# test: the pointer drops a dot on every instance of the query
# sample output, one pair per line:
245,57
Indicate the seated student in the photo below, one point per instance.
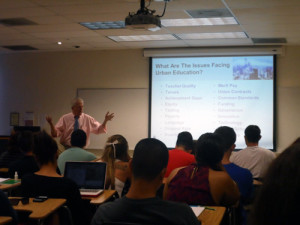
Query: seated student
26,164
205,182
46,181
241,176
254,158
6,209
76,152
277,202
181,155
116,156
12,154
140,205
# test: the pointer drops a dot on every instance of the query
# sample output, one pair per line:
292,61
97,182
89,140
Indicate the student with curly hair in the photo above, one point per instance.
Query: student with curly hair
205,182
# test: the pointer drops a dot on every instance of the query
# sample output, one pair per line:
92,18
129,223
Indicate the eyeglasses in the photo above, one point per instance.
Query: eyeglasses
16,200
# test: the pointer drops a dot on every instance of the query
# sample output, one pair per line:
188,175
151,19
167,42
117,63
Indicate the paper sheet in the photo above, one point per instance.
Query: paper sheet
197,210
3,179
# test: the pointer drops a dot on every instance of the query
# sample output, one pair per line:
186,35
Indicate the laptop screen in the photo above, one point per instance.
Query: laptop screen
87,175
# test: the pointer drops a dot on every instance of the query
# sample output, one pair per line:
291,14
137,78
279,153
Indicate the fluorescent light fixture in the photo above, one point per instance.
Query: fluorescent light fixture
225,35
163,37
199,22
104,25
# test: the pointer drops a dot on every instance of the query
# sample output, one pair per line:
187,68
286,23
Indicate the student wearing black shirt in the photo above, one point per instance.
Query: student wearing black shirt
47,182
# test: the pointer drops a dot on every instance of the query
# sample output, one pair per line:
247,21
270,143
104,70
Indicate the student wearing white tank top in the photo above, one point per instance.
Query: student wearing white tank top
116,156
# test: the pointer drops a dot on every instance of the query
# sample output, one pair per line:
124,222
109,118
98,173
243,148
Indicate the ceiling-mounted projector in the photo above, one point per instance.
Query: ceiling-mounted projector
143,19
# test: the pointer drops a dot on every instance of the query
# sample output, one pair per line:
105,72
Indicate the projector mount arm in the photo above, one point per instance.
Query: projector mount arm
145,11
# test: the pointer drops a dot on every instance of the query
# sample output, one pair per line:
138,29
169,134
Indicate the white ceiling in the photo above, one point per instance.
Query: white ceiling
58,20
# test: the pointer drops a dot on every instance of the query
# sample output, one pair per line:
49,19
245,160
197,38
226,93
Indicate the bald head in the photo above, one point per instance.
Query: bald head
77,106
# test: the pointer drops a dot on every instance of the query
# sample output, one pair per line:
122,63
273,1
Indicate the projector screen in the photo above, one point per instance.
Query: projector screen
199,94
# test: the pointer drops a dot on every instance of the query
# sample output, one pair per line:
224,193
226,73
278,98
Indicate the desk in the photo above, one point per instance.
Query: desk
4,170
211,217
5,185
257,182
40,210
104,197
5,219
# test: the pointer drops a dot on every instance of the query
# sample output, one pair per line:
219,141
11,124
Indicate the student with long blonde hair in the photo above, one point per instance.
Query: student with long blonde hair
116,156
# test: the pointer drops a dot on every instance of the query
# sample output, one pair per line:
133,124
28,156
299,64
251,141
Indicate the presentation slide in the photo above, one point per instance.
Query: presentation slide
199,94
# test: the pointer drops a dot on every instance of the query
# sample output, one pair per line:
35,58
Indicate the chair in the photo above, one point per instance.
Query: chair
232,216
65,216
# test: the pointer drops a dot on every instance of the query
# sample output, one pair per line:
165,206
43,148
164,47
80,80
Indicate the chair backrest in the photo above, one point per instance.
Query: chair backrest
65,216
230,216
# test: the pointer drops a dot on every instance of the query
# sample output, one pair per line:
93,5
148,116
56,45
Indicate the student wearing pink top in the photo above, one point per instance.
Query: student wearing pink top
67,123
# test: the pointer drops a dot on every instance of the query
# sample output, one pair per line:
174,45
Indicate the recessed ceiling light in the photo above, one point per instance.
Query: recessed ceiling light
59,42
225,35
198,22
104,25
162,37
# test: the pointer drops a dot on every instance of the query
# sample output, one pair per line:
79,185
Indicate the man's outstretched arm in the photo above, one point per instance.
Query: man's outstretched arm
108,117
53,130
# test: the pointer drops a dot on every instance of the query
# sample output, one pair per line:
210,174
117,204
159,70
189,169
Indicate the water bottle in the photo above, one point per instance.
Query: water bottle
16,175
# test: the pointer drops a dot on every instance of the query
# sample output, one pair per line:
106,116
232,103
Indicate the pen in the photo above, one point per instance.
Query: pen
209,208
205,207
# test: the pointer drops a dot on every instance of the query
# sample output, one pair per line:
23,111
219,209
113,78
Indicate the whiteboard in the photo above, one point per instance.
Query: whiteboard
130,106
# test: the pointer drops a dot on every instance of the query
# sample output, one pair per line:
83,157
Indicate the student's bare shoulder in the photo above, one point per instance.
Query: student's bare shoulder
221,176
172,175
121,165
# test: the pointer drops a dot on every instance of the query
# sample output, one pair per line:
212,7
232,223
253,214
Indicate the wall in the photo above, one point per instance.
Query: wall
46,82
288,97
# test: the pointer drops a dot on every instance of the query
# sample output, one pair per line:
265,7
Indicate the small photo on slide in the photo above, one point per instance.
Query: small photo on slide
253,68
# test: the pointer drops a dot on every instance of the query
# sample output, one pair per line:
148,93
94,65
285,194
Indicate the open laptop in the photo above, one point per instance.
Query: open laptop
89,176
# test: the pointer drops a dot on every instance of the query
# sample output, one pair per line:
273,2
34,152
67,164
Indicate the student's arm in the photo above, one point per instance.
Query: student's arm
231,192
223,189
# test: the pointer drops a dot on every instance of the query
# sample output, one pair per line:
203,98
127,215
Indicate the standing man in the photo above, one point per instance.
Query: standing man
77,120
254,158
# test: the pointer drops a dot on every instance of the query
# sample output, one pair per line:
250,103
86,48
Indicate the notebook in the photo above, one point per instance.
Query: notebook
89,176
